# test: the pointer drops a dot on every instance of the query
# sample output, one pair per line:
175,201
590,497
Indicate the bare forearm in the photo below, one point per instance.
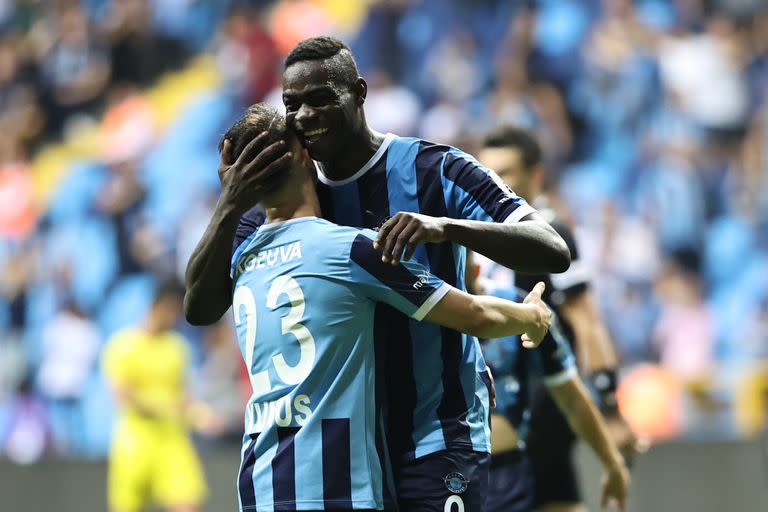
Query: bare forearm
503,318
585,420
529,246
209,288
485,316
595,348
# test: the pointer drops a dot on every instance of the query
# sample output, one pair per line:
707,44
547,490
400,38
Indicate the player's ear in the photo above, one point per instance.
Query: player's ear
361,90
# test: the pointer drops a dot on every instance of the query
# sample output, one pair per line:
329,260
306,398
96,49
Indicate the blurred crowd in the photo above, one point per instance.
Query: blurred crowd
651,114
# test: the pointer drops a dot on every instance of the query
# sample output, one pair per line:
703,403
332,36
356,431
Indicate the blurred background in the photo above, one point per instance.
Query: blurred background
654,123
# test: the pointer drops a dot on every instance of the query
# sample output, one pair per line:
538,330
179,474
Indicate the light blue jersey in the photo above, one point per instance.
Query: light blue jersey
305,294
436,380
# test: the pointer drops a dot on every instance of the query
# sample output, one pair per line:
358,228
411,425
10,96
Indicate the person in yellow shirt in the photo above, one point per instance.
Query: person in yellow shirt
152,460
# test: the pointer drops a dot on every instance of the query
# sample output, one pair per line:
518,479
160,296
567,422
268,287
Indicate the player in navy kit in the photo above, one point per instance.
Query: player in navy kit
548,417
417,192
304,297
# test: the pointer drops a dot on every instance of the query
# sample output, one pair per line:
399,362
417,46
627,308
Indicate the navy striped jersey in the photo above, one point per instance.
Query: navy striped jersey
518,370
438,396
305,292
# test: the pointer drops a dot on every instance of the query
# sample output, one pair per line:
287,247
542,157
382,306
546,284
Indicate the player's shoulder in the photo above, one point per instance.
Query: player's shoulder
328,238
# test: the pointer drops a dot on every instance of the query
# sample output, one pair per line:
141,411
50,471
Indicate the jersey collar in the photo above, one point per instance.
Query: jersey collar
388,138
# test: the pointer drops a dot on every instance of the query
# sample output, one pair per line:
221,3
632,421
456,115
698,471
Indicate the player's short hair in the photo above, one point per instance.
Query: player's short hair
517,138
258,118
341,62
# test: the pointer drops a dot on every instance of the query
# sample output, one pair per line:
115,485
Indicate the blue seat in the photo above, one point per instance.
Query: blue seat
75,195
126,304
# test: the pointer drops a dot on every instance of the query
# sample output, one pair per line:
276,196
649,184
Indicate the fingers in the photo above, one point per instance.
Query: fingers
276,167
527,341
538,290
384,231
226,152
252,149
401,241
389,238
410,248
262,160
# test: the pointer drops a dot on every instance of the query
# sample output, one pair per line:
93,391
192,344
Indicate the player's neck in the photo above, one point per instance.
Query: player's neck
360,150
294,205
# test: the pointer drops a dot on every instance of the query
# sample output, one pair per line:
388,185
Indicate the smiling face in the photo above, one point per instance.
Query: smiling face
322,108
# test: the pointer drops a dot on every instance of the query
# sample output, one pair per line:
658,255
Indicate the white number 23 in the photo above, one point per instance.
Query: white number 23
245,302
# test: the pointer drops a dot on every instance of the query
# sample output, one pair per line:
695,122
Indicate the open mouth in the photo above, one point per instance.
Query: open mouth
313,135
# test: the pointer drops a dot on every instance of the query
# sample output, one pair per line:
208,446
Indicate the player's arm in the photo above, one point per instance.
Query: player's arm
485,316
209,288
529,245
482,214
411,289
574,402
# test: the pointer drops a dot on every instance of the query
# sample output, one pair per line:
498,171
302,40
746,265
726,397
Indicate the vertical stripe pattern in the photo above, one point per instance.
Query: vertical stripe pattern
284,469
337,462
245,488
452,410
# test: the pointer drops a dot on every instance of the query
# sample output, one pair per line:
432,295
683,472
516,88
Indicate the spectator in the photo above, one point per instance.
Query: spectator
139,54
247,56
70,348
75,68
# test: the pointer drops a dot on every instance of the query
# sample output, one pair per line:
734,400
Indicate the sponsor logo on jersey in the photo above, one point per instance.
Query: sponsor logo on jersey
421,280
456,482
270,257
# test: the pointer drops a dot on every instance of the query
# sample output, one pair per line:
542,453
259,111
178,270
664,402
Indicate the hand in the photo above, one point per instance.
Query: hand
615,488
536,331
404,231
625,439
244,181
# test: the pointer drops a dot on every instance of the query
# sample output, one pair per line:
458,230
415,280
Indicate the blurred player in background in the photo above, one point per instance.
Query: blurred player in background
152,459
438,418
560,409
304,300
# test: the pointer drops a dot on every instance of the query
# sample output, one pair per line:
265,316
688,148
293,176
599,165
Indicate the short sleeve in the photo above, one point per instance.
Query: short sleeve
474,192
558,363
247,228
408,287
576,279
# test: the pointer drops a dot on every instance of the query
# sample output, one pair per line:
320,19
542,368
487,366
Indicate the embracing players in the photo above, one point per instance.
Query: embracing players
437,384
304,297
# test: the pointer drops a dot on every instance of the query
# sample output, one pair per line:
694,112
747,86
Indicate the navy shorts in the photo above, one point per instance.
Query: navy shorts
445,481
510,488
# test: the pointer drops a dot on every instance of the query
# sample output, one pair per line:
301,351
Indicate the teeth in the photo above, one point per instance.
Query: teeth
312,133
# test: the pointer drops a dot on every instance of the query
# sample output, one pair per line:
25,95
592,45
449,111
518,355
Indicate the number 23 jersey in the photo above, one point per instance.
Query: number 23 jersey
304,298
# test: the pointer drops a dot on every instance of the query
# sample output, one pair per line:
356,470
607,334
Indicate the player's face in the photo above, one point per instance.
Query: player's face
321,111
508,164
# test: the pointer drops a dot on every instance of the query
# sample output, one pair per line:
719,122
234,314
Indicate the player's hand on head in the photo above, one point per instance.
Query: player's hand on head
404,231
615,488
245,179
536,331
